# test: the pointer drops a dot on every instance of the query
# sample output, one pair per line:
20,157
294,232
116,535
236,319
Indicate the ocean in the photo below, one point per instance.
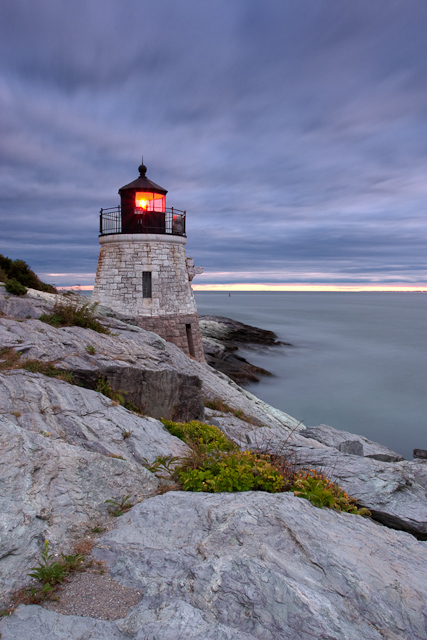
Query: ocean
357,362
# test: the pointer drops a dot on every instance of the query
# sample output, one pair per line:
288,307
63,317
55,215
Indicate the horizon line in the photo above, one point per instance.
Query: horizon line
236,286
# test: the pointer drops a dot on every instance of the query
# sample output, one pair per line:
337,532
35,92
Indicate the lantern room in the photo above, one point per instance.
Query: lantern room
142,210
143,205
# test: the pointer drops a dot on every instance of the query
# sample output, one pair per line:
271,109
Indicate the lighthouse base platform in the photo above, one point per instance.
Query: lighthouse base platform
182,330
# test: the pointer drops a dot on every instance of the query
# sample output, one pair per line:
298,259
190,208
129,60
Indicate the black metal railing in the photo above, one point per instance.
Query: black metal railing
110,221
171,221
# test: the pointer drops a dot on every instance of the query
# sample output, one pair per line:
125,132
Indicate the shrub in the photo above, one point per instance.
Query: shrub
20,271
104,387
16,288
204,437
119,397
68,315
321,492
9,358
214,464
236,471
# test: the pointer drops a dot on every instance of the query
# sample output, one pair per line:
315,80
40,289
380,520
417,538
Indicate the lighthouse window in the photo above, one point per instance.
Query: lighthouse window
146,284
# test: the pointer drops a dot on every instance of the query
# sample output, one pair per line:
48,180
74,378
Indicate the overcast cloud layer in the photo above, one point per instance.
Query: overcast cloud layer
294,132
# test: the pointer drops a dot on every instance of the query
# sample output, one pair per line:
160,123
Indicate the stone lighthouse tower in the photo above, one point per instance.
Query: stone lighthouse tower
142,268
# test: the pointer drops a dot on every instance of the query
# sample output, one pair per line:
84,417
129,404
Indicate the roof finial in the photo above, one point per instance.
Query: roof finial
142,168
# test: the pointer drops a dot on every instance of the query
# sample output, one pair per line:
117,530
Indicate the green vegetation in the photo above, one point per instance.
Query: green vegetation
215,464
104,387
47,369
118,508
50,572
15,287
198,435
19,271
11,359
161,465
126,433
233,471
89,348
321,492
69,315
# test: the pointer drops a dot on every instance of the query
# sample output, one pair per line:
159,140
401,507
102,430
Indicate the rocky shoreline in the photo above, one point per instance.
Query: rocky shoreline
199,566
223,337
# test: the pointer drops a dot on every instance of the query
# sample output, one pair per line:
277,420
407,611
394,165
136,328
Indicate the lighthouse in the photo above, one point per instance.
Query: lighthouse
142,267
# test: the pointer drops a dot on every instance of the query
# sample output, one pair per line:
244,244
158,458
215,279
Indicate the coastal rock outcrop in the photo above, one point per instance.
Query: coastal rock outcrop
342,441
164,376
242,566
222,337
247,566
56,491
395,492
64,450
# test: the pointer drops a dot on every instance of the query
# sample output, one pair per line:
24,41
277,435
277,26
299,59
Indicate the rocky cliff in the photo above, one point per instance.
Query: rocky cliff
241,566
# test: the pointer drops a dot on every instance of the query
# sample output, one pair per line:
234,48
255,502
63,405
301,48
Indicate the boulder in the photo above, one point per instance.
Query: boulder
56,491
233,333
83,418
32,305
250,566
340,440
145,378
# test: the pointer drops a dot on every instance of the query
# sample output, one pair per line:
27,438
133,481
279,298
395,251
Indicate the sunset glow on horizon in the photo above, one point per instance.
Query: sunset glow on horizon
308,287
228,288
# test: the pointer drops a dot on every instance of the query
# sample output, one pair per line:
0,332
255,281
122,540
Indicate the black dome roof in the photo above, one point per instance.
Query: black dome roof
143,183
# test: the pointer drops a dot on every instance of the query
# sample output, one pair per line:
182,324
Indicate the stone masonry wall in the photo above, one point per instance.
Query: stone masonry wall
174,329
119,283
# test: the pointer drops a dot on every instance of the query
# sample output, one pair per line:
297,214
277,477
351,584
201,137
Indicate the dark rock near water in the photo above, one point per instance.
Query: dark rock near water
420,453
222,337
236,333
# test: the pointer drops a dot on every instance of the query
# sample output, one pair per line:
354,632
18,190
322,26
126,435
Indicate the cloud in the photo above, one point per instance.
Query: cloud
295,134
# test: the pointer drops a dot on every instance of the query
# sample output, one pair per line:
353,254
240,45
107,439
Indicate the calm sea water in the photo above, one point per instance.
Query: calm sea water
358,360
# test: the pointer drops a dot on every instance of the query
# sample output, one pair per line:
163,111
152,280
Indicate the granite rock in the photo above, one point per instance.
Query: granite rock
82,418
132,352
339,439
53,490
35,623
248,567
222,337
393,492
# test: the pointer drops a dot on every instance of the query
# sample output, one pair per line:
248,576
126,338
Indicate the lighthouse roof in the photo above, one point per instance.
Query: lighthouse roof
143,183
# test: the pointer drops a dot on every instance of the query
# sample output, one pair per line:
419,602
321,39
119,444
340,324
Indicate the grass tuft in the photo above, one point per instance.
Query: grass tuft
69,315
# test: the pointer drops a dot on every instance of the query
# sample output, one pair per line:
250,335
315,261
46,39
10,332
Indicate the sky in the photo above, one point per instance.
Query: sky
293,132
